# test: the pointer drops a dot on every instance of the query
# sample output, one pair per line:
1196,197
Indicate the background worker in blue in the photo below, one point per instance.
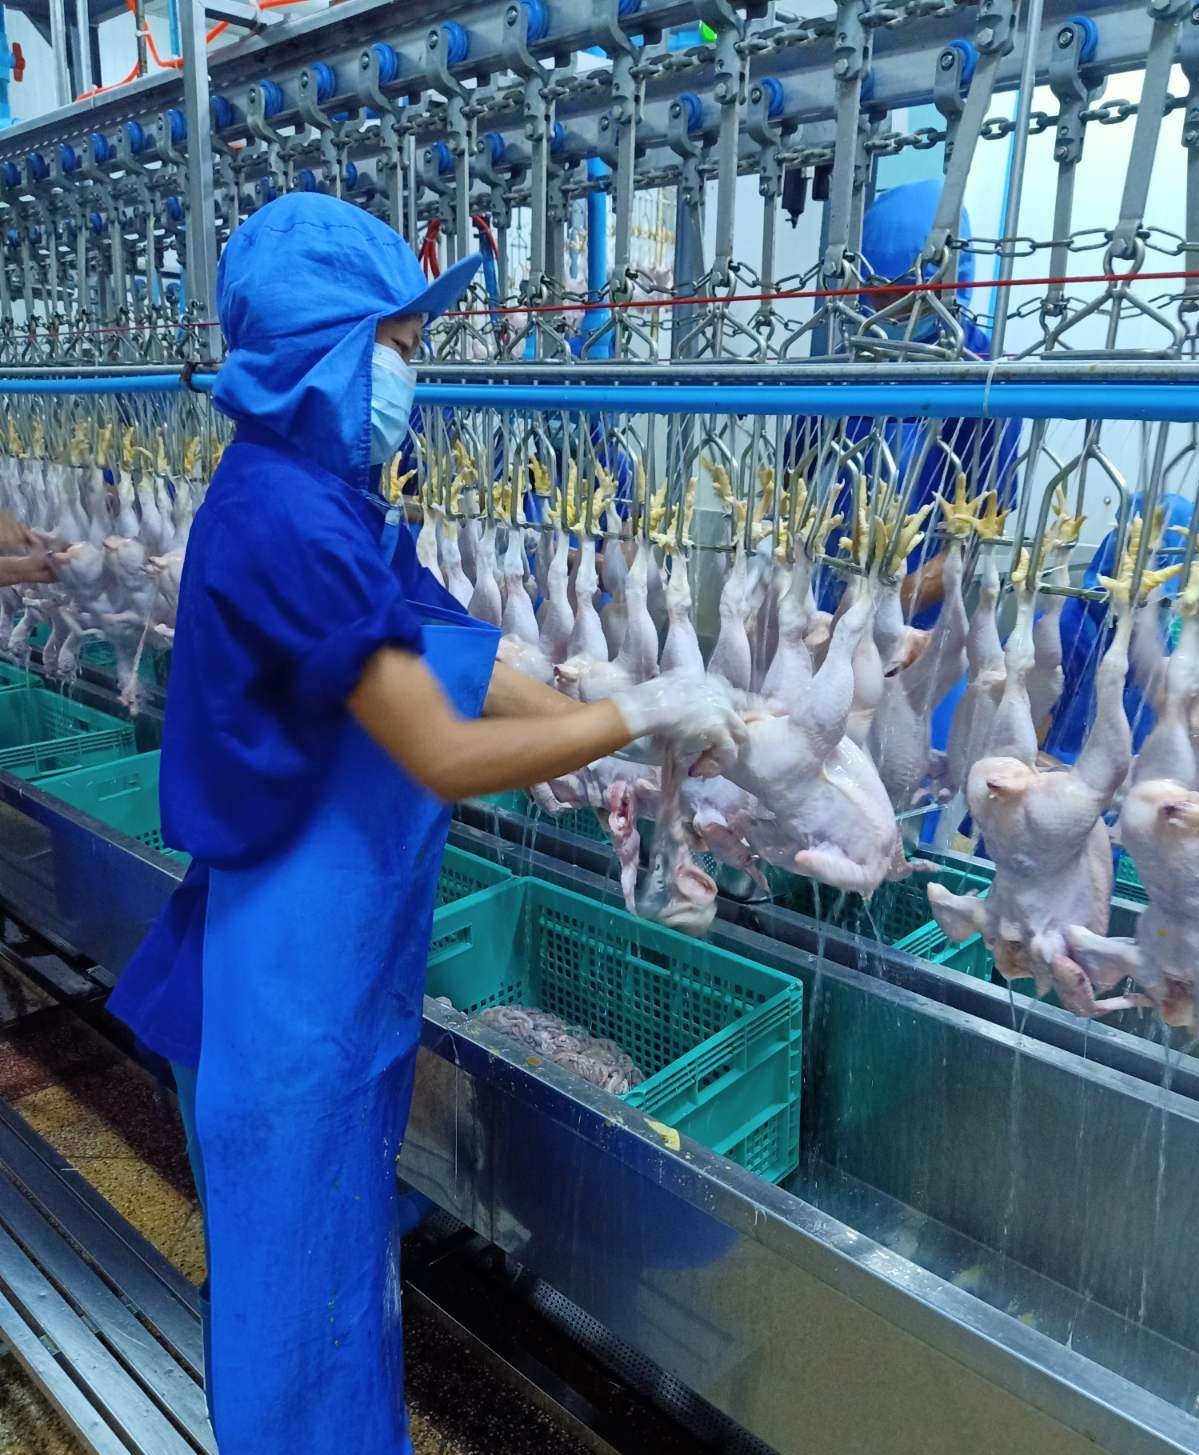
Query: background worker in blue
322,709
894,231
1084,640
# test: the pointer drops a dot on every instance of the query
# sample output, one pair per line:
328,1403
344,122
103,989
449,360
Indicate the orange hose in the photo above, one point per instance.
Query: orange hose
112,86
172,63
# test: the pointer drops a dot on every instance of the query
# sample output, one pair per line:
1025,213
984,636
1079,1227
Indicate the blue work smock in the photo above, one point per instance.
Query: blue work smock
286,592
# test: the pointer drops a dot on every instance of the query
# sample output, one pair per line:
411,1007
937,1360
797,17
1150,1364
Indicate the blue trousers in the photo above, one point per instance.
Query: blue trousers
413,1209
185,1087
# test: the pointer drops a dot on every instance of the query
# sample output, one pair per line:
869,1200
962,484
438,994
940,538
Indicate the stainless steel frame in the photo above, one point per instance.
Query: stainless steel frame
989,1246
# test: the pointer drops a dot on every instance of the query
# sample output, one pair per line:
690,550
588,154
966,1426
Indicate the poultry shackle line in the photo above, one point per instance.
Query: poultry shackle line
720,811
799,295
786,295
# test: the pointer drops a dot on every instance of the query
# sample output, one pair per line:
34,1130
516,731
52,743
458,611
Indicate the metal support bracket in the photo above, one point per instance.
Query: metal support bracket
728,91
461,139
201,202
1168,16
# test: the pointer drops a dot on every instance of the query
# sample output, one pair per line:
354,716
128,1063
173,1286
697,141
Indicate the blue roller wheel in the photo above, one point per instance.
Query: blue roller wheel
389,61
538,20
693,109
969,59
773,88
272,97
1090,37
457,42
325,79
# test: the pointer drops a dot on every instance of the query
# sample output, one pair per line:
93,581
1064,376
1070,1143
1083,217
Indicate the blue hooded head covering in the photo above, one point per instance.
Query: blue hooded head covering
301,288
896,227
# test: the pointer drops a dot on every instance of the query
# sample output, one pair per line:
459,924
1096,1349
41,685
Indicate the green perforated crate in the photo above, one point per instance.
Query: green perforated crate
463,874
930,942
580,821
1128,881
893,913
123,795
11,675
718,1036
44,732
152,668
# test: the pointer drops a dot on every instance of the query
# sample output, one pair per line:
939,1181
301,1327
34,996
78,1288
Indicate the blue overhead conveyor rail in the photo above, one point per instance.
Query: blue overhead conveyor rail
933,399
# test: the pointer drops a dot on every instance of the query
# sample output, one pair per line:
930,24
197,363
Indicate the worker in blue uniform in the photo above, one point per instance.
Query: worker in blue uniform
324,707
894,231
1084,640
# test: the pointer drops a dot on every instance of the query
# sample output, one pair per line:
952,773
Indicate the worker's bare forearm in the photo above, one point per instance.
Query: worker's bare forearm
492,755
401,705
512,694
25,570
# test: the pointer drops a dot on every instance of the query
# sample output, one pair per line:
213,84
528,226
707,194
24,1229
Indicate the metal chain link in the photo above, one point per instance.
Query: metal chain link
996,128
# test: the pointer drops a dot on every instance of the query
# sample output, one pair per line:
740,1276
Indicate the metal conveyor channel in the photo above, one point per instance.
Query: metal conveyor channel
101,1322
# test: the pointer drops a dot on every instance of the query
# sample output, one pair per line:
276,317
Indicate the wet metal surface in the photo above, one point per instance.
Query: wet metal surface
1055,1151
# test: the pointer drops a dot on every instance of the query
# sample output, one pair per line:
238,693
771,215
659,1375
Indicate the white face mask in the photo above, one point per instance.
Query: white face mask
393,388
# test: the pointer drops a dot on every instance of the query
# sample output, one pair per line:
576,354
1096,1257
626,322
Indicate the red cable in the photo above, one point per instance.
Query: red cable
429,261
485,233
1178,275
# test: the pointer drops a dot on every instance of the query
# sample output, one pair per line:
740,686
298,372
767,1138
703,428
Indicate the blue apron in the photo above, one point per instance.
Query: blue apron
313,982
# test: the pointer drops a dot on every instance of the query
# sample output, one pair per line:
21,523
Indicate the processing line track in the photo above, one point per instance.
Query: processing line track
109,1330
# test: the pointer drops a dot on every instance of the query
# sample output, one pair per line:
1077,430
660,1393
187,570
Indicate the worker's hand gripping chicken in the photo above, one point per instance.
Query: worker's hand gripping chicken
327,699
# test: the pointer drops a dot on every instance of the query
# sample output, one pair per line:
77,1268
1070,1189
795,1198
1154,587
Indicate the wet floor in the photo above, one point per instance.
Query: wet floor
109,1119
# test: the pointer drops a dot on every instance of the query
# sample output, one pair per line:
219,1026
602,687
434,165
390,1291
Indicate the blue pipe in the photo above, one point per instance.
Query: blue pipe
6,65
597,262
107,384
173,27
999,400
1179,402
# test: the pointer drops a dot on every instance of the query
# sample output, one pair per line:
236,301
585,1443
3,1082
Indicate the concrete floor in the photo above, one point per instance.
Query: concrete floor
110,1120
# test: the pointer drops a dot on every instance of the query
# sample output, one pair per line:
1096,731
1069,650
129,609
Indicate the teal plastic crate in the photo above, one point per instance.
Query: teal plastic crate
929,942
11,675
123,795
718,1036
45,732
580,821
1128,881
152,669
463,874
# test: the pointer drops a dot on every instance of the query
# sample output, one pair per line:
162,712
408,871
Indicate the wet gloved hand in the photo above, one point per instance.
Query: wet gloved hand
692,714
